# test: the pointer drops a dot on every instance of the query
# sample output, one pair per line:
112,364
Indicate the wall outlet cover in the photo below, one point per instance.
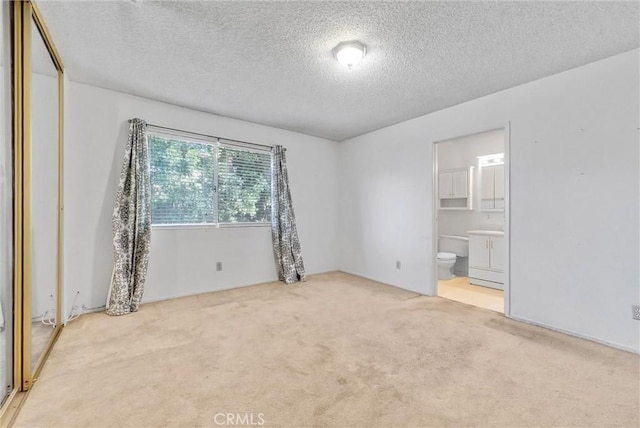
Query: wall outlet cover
218,266
398,264
636,312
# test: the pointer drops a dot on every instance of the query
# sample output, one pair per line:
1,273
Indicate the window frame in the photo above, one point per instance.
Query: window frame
189,137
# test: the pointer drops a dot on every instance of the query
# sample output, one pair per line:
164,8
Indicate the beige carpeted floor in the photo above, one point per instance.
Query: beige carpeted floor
336,351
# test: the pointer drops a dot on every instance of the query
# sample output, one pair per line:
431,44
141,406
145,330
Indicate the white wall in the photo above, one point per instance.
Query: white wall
574,197
182,262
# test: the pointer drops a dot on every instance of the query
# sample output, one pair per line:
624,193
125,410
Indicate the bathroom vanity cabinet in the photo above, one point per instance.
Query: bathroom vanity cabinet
486,258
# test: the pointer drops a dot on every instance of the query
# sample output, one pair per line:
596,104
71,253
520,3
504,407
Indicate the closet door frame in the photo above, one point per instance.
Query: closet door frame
24,13
21,14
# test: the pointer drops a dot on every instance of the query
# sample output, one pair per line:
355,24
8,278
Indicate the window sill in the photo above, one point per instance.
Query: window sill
206,226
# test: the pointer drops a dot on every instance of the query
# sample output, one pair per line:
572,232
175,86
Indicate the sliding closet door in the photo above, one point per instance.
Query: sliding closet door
44,195
31,106
41,193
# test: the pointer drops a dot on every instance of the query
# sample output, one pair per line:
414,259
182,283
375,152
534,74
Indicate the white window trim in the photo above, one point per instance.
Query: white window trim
216,142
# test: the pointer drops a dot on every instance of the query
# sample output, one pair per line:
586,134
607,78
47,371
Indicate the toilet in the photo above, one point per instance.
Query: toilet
450,247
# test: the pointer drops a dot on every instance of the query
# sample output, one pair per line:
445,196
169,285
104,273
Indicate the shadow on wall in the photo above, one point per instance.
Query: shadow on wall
104,232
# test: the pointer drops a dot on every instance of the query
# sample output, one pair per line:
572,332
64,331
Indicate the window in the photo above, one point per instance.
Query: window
204,182
182,181
244,183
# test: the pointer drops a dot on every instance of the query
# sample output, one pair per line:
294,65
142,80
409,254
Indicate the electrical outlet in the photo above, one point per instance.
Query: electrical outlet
398,264
218,266
636,312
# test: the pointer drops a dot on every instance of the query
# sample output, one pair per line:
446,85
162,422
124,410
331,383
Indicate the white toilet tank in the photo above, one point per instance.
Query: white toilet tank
459,245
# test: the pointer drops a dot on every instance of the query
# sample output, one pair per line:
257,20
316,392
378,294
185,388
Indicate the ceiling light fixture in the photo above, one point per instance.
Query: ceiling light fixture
350,54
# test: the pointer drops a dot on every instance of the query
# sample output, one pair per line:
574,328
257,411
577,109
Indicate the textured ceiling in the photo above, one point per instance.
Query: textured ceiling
271,62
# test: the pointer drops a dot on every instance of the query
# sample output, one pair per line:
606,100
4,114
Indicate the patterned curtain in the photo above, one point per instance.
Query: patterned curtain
286,245
131,225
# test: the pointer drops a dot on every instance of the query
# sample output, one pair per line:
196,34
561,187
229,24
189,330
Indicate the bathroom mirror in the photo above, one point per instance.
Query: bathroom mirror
42,188
491,183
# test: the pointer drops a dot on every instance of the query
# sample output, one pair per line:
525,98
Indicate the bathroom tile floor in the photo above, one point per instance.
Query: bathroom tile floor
460,290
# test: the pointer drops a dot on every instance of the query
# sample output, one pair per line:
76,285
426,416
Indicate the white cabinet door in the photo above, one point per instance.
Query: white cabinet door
460,181
497,253
479,251
445,181
498,186
492,187
487,191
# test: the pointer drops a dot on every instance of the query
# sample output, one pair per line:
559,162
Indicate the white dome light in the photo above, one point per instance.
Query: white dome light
350,54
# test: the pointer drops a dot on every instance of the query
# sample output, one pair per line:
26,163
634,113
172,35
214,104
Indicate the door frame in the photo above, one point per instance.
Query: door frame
433,288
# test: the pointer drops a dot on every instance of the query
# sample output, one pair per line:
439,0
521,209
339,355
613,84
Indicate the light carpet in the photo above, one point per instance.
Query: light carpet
336,351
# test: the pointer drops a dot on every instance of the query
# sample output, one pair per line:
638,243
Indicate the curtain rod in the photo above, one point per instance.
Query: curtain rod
209,136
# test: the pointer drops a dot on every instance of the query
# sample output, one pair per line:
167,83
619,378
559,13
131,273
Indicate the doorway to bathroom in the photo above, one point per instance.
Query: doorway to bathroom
470,229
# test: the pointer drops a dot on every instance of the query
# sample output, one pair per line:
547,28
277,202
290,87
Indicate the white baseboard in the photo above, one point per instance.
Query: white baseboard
578,335
92,310
525,320
513,317
385,283
483,283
